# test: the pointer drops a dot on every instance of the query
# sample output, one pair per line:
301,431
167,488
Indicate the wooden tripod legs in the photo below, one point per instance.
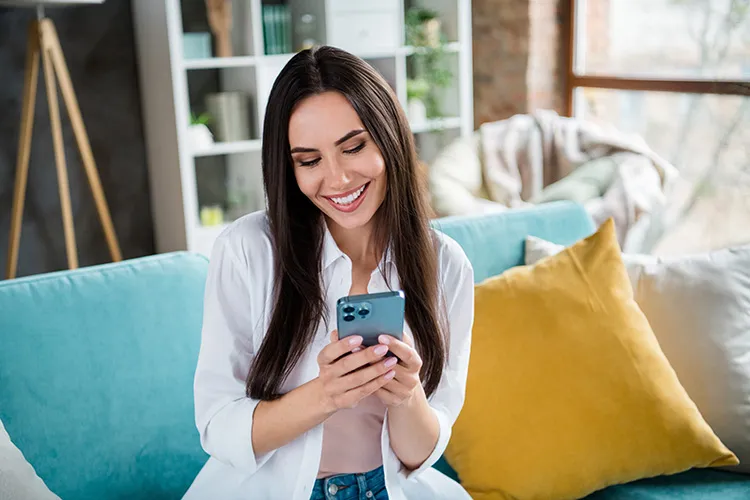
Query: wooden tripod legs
43,39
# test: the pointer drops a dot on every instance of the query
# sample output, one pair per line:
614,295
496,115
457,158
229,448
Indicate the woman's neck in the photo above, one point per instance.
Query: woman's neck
358,244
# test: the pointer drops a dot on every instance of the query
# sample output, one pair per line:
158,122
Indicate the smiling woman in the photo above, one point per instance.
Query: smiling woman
343,173
277,393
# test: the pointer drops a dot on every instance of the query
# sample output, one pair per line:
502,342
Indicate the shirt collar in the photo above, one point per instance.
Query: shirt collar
332,252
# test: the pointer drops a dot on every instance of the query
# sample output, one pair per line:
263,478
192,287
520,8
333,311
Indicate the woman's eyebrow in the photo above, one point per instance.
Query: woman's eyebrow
349,135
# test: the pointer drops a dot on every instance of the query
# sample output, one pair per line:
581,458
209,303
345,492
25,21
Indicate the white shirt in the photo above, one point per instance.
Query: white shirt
237,312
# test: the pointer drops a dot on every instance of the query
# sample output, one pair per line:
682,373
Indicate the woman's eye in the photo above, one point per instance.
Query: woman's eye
356,149
310,163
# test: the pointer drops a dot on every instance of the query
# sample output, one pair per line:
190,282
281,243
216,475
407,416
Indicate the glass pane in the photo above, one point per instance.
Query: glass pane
665,38
707,138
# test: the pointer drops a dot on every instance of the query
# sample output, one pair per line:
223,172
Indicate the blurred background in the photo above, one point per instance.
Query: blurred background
638,109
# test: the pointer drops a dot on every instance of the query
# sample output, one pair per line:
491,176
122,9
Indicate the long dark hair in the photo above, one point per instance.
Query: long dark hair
297,225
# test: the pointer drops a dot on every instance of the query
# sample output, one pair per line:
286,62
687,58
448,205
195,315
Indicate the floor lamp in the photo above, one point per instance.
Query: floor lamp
42,40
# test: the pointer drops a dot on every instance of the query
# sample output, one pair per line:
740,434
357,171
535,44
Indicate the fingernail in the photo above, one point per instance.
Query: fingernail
355,340
356,349
383,339
390,362
390,375
380,350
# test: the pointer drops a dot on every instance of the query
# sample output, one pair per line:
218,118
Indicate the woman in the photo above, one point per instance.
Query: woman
284,408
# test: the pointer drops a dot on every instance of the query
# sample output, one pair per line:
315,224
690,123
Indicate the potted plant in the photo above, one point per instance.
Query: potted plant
429,62
417,90
199,135
422,27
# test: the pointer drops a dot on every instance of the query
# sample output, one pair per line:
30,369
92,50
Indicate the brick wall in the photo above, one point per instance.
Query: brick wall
519,57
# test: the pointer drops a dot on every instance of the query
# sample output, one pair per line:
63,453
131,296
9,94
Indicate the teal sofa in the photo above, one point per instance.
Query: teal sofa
96,368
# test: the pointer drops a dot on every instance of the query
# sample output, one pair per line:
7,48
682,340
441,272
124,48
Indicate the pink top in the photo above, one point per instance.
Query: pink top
351,439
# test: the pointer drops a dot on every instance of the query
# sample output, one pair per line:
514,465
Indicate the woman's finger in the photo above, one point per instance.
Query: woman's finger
355,361
337,348
365,375
354,396
405,353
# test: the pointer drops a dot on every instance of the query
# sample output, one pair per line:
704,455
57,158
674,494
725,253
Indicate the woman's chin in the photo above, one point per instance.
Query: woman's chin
353,220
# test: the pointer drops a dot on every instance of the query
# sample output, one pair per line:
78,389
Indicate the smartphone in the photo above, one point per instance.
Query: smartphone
371,315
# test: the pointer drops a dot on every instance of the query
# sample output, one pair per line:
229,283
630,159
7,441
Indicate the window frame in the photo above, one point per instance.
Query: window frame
576,79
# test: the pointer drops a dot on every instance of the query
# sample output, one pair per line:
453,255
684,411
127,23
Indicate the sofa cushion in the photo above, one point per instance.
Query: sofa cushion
18,480
568,391
695,484
495,242
699,308
96,373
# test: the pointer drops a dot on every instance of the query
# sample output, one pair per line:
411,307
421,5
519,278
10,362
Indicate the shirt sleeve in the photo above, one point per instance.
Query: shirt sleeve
448,398
223,412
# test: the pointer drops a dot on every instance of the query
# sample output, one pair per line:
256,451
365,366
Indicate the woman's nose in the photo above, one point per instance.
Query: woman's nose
338,178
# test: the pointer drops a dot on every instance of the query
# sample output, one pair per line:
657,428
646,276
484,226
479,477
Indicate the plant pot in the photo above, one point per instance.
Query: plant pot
212,215
416,111
230,112
199,137
431,31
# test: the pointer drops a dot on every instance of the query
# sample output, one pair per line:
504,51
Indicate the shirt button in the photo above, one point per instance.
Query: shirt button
368,494
332,489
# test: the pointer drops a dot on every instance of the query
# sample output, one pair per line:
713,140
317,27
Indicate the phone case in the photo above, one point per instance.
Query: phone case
371,315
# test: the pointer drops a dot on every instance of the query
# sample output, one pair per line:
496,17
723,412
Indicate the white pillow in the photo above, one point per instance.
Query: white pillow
18,480
699,309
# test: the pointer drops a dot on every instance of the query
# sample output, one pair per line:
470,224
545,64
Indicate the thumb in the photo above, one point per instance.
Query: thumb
334,335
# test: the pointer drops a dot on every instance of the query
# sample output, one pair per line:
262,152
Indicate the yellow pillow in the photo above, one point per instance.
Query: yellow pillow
568,391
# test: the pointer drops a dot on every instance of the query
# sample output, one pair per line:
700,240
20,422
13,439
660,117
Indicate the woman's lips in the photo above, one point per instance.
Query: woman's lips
352,206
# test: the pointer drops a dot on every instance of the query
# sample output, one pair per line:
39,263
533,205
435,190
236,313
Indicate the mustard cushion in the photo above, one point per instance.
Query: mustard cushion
568,391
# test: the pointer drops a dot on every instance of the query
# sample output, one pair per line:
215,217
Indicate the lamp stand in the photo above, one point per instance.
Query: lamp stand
42,39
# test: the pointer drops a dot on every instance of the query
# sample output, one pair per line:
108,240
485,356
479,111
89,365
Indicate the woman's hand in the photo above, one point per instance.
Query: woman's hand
349,373
406,385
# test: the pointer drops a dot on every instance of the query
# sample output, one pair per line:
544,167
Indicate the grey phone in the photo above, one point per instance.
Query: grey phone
371,315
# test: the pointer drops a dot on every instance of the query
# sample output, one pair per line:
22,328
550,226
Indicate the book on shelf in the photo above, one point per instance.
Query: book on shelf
277,29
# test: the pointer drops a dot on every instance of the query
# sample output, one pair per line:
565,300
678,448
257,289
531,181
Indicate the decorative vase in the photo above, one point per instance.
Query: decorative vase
431,30
416,111
219,13
196,45
212,215
199,137
231,115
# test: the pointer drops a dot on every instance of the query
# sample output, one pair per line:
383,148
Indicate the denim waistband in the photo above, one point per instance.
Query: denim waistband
346,486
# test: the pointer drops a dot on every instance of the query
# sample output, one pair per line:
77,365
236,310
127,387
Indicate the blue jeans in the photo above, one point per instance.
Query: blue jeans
365,486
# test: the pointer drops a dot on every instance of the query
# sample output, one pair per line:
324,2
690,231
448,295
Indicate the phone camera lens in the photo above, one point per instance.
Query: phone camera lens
348,309
349,317
364,312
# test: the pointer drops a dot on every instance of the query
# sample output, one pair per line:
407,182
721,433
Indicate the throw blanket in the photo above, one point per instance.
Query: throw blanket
524,153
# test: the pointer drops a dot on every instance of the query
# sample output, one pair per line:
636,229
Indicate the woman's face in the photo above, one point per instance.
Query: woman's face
336,163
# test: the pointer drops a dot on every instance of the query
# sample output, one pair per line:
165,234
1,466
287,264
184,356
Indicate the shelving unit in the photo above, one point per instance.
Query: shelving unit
186,176
226,148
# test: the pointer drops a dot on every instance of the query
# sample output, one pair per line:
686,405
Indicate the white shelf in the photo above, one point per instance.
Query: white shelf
436,124
226,148
220,62
166,99
245,61
452,47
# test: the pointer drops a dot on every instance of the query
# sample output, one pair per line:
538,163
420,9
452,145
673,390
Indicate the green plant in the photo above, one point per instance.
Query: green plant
202,119
429,62
417,88
415,20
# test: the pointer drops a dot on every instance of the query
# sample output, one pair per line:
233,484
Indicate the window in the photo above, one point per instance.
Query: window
676,72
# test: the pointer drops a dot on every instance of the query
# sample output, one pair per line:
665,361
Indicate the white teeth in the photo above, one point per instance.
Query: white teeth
347,200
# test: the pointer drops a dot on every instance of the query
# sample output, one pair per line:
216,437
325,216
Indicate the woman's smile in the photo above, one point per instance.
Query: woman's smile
349,201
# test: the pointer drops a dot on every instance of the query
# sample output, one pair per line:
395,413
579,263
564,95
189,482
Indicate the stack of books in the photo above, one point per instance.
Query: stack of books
277,29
